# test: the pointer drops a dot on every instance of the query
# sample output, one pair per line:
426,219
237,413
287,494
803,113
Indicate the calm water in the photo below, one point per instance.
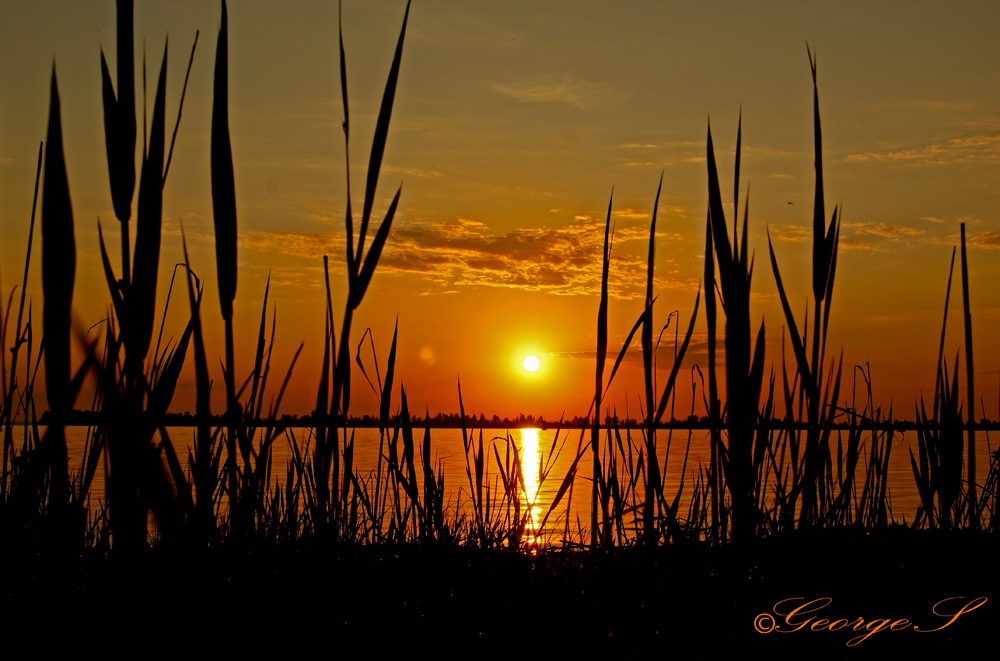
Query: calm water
538,454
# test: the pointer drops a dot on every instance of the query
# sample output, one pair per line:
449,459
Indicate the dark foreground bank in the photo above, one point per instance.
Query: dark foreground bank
828,594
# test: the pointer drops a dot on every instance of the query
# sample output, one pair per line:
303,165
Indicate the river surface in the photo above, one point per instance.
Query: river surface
546,461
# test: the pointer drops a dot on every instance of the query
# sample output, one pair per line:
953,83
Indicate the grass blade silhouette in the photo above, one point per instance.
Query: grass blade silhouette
58,276
141,301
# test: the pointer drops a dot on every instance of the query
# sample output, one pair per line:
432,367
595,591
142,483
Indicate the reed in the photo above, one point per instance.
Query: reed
335,387
602,350
204,463
744,370
715,493
12,388
224,213
969,371
58,275
653,510
818,397
939,440
120,127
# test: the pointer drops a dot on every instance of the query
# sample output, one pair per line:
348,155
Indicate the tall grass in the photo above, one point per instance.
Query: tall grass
134,391
971,393
744,369
939,438
334,407
819,398
12,387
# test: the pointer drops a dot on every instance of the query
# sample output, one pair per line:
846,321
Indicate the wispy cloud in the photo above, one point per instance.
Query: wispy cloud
877,236
847,243
465,253
983,146
630,213
411,172
986,239
793,233
881,237
580,94
883,230
670,153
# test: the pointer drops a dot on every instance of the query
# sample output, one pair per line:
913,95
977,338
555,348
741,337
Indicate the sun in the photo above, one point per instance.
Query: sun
531,363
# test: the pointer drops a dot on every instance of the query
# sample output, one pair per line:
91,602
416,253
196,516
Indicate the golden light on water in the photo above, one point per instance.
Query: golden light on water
531,363
530,462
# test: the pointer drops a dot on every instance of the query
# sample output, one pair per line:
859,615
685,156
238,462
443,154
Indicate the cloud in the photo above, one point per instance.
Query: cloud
984,239
847,243
466,253
580,94
296,244
411,172
793,233
872,236
630,213
884,230
665,154
984,146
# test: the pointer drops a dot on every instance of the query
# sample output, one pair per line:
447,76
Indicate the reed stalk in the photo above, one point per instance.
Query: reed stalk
224,211
120,128
973,507
602,350
9,413
361,268
819,402
58,275
744,370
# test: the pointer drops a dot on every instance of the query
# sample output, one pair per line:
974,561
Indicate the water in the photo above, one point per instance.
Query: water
545,465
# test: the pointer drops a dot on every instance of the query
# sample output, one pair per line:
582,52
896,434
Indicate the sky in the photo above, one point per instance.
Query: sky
512,125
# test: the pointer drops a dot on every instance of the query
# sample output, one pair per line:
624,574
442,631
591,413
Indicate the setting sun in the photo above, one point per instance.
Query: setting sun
531,363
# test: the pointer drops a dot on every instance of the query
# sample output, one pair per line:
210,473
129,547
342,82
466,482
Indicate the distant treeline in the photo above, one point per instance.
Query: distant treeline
454,421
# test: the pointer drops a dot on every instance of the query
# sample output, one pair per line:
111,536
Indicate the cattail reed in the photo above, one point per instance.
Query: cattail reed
744,370
224,210
120,128
223,186
149,217
820,403
58,274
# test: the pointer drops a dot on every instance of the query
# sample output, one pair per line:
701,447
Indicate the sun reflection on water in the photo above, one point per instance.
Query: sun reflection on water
531,472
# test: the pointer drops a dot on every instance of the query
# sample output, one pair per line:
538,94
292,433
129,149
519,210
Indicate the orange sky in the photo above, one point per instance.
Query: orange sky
512,124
